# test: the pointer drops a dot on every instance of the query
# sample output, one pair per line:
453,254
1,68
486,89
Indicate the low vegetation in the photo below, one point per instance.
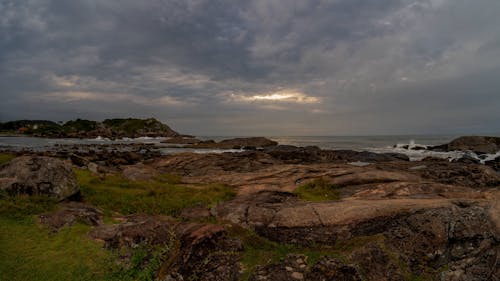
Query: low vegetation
164,195
30,251
6,157
319,189
123,127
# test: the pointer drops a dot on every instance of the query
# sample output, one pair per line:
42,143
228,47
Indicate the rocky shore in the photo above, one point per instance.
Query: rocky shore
320,214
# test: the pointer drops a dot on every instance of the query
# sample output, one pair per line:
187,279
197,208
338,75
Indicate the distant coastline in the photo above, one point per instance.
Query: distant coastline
81,128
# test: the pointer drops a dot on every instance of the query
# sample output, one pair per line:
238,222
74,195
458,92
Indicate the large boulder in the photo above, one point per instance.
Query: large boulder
37,175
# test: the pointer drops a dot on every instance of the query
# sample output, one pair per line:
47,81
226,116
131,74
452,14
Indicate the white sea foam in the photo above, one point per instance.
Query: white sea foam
99,138
417,152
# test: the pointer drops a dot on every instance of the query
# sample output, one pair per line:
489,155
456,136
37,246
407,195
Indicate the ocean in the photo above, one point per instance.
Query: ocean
379,144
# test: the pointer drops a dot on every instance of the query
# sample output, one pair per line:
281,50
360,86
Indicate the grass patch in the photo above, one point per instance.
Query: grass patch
6,157
318,190
29,252
258,250
163,195
21,206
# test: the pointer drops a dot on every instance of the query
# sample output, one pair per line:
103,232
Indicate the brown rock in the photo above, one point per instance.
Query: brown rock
332,269
72,212
139,172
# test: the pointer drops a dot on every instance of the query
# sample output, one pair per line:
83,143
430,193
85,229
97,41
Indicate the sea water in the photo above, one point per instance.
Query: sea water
380,144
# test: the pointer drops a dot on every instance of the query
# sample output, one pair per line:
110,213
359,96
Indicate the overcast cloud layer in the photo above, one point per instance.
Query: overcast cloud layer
264,67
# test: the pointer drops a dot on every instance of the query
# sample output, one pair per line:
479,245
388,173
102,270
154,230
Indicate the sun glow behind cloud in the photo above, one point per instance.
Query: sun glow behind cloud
282,96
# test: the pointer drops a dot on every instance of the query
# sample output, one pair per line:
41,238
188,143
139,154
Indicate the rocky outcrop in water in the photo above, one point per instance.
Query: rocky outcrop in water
477,144
237,143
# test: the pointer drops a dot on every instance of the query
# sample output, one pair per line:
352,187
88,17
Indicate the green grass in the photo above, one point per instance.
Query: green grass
21,206
163,195
30,251
6,157
318,190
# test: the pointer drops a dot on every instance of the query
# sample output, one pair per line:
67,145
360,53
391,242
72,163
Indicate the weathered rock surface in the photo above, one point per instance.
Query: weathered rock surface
195,251
426,234
70,213
35,175
139,172
254,171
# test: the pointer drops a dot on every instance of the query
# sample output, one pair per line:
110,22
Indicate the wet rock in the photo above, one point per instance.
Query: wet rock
467,159
181,140
495,164
70,213
35,175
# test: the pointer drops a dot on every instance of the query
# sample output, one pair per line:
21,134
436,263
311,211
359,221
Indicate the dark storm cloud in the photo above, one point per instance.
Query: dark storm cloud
256,67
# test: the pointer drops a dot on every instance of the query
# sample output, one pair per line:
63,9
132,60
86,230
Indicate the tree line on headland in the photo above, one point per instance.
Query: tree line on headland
81,128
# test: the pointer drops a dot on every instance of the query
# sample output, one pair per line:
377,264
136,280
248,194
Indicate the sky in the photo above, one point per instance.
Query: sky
256,67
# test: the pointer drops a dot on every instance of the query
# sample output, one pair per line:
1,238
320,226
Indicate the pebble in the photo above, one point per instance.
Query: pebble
297,276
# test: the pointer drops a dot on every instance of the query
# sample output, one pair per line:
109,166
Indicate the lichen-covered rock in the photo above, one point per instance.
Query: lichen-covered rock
35,175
